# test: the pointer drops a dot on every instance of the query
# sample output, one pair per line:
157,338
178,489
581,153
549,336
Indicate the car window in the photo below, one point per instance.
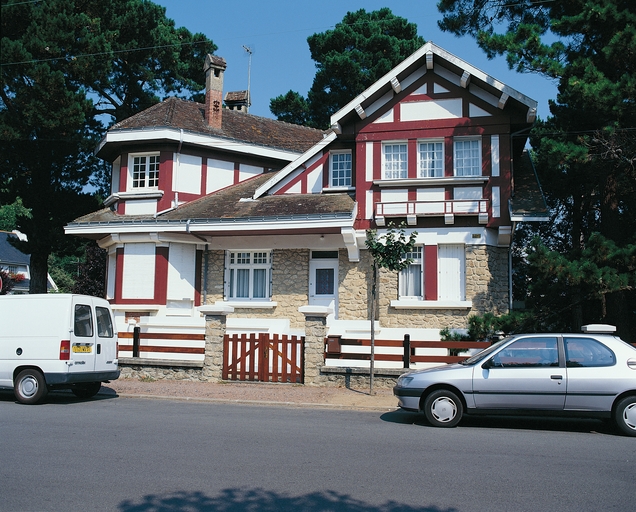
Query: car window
104,323
83,324
587,352
529,353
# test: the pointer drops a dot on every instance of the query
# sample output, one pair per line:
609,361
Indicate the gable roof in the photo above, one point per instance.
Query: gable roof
184,121
400,77
426,58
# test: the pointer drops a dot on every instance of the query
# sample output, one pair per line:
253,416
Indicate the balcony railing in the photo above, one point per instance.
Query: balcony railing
445,208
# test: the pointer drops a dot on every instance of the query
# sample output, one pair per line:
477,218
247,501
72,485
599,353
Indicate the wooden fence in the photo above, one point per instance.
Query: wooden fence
388,351
186,347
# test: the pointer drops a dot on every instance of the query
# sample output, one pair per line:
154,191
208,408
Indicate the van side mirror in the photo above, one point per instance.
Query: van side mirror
488,364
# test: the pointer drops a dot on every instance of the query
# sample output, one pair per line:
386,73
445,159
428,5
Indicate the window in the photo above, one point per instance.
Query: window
529,353
431,159
467,158
249,275
83,323
410,280
104,323
340,170
394,158
145,171
587,352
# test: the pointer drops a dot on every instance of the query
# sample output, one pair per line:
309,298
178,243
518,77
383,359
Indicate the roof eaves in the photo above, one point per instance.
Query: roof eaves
119,135
430,47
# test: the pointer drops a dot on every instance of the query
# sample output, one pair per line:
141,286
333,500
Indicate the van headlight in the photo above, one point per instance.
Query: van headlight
404,381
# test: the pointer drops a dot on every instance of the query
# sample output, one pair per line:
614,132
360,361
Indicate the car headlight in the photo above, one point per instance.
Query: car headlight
404,381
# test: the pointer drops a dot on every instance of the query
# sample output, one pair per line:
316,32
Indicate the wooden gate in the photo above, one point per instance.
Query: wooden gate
263,357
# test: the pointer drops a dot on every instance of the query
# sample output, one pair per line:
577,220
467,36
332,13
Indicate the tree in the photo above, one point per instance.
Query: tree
356,53
584,152
389,251
8,281
9,214
92,272
66,66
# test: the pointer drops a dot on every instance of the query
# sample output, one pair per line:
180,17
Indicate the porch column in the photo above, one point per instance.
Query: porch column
315,332
214,334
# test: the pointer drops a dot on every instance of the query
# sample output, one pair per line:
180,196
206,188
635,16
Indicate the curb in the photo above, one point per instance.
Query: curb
305,405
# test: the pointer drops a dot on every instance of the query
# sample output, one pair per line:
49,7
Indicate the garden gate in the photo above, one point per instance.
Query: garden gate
263,357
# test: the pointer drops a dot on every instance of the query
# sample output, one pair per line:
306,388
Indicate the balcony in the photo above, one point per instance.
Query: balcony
447,208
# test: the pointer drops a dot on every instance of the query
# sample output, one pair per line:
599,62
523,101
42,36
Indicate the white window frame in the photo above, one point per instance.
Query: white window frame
395,163
409,280
143,171
465,161
430,160
339,175
241,263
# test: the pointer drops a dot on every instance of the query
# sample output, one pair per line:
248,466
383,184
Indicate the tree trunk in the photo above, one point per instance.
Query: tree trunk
39,270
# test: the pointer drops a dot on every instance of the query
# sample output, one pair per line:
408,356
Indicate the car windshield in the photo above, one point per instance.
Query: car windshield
480,356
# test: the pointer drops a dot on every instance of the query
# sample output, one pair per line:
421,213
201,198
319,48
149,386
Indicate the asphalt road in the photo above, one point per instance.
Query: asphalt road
123,454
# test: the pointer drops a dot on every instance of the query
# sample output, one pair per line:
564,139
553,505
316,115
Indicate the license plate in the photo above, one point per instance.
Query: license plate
82,349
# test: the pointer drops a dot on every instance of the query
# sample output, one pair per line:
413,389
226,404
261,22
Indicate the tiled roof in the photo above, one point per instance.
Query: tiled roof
527,200
236,203
235,96
9,254
189,115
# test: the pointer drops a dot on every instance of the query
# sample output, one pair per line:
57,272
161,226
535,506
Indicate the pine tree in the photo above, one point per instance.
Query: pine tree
356,53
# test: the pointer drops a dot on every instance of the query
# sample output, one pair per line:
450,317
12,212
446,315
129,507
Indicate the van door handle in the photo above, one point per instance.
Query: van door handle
556,377
99,348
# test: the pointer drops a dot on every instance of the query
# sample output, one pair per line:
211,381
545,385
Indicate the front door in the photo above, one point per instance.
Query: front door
323,280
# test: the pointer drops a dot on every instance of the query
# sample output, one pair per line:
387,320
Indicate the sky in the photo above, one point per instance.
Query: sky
276,32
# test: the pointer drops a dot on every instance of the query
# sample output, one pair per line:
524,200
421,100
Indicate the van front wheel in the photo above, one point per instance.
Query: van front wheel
30,386
87,390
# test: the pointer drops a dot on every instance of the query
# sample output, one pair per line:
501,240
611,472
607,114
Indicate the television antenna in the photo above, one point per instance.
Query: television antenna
249,50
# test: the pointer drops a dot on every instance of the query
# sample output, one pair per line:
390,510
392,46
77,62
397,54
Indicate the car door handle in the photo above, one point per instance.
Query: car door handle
556,377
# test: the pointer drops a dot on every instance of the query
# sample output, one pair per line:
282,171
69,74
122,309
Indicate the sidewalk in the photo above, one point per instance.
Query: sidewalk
254,393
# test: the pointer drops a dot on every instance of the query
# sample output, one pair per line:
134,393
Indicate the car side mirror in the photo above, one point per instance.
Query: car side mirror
488,364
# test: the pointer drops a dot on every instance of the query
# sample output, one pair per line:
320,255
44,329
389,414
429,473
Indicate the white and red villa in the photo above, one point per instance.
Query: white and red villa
214,209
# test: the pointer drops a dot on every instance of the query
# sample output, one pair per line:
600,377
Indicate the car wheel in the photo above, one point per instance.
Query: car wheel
30,387
625,415
87,390
443,408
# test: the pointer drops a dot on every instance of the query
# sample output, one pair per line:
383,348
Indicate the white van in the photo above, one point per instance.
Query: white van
56,341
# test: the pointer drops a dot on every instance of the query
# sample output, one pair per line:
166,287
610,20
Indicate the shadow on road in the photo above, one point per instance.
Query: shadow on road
61,397
548,423
242,500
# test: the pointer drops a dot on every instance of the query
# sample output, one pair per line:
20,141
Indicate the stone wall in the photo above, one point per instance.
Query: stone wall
354,286
290,285
487,275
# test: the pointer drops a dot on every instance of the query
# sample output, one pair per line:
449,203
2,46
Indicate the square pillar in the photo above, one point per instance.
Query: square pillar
315,333
215,327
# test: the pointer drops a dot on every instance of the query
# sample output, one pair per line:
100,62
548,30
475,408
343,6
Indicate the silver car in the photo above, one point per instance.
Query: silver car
592,374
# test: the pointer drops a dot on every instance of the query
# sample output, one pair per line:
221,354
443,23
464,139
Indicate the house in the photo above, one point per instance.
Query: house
214,206
15,262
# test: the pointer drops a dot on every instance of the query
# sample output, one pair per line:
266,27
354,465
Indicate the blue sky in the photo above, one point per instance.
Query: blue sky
277,31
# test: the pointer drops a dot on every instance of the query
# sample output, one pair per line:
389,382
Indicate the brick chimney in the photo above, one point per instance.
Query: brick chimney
214,68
